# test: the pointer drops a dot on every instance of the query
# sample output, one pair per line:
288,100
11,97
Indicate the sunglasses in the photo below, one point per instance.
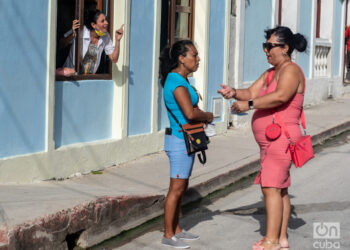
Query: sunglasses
269,46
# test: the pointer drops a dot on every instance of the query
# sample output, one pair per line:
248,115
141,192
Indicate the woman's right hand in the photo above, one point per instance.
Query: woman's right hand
226,91
67,72
210,117
75,25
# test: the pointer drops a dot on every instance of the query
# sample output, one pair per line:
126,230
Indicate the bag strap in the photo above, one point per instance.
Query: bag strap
177,121
277,117
269,77
284,127
204,160
302,119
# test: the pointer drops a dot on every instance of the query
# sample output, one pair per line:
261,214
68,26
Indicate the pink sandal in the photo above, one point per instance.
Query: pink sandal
258,246
284,248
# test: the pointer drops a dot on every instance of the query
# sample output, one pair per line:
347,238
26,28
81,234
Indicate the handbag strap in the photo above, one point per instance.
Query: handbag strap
302,119
302,115
269,77
177,121
284,127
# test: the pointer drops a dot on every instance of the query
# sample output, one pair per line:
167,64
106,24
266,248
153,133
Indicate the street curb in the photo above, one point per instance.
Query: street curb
90,224
328,133
221,181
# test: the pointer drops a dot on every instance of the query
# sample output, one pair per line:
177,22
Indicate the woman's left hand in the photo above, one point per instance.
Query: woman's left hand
119,33
240,106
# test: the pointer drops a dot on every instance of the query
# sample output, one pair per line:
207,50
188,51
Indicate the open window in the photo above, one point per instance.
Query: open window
67,11
177,21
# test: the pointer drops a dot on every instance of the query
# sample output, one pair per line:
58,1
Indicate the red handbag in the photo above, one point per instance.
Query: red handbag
301,150
273,131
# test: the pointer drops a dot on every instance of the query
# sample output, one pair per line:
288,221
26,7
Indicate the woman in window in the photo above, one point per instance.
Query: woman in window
181,99
96,39
278,91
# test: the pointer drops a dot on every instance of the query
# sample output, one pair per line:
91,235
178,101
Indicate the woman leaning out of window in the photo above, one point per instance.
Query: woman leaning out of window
96,39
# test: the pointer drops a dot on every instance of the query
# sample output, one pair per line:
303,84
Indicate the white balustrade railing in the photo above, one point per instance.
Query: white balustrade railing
322,64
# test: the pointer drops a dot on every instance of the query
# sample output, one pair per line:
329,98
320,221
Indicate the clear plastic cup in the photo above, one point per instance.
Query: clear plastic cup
210,129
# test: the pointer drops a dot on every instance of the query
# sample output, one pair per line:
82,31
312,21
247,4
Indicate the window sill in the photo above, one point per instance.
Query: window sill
85,77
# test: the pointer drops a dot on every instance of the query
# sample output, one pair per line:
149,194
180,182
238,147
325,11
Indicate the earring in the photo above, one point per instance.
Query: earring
284,54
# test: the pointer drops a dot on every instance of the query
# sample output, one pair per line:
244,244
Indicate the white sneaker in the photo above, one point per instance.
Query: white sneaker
184,235
174,242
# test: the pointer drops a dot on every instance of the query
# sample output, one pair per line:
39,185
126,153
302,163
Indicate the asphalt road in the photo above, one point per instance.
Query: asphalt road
320,197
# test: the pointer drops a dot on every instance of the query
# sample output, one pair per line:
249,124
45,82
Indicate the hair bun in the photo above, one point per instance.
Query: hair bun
300,42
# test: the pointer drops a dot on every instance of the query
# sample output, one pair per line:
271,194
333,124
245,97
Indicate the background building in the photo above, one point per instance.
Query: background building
322,22
54,128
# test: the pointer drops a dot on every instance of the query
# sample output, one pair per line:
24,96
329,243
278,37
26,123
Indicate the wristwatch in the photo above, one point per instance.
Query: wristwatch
251,104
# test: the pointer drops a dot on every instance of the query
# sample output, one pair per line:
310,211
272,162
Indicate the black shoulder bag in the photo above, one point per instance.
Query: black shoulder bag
195,138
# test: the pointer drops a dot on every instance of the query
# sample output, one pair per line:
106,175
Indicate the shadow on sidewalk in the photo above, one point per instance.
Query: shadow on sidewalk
258,212
196,212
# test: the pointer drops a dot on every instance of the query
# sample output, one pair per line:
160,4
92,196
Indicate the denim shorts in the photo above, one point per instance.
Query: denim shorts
180,163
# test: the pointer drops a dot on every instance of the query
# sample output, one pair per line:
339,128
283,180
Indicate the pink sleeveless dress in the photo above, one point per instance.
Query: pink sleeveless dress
275,157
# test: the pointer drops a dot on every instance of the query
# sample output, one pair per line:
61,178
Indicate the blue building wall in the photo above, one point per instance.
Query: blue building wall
83,111
305,22
257,18
141,66
337,38
216,55
23,76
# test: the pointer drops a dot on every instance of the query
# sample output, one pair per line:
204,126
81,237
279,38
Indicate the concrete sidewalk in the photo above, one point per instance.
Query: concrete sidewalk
93,208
